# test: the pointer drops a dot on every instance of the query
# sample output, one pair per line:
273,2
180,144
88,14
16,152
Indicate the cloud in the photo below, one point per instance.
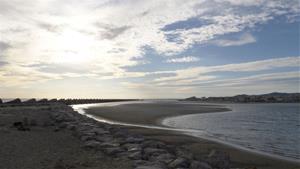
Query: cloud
104,50
254,66
185,59
111,32
242,40
4,46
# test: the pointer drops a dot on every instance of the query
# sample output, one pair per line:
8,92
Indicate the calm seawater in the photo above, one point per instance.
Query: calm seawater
270,128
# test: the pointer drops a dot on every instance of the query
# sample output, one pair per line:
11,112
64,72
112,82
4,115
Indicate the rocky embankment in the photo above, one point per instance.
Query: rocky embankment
117,142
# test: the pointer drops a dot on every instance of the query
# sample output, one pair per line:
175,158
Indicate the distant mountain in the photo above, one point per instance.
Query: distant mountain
274,97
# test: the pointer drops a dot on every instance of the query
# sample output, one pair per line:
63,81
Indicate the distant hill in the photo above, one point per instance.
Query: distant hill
274,97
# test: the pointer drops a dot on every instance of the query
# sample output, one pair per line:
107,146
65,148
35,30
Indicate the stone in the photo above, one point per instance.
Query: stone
30,101
153,144
179,162
91,144
99,131
113,150
184,154
15,101
109,144
134,139
153,151
104,138
135,155
219,159
199,165
163,158
149,167
132,147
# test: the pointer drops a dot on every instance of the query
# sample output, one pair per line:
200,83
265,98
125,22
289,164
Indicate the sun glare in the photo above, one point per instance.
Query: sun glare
74,47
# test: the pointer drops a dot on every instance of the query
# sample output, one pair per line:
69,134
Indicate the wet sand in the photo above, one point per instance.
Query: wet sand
152,114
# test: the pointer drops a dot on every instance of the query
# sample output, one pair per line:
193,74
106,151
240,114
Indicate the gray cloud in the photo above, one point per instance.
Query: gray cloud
111,32
2,63
49,27
4,46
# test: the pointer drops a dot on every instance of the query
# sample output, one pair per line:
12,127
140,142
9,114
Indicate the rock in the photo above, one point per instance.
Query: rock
15,101
30,101
153,144
199,165
20,126
149,167
33,122
53,100
179,162
109,145
113,150
153,151
91,144
132,147
184,154
219,160
135,155
134,139
104,138
1,101
99,131
43,101
163,158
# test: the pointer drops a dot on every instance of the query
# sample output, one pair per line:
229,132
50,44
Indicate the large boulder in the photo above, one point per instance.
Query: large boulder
30,101
199,165
179,162
219,159
43,101
15,101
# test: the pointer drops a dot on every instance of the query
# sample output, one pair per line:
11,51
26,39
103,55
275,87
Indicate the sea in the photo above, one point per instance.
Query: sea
266,128
272,128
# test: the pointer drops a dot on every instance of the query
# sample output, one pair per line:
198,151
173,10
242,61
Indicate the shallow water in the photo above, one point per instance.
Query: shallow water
270,128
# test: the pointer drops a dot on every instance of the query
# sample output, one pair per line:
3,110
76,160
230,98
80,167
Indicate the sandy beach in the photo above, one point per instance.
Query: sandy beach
136,114
54,136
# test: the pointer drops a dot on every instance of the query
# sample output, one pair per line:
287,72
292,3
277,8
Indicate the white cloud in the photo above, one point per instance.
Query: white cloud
242,40
196,72
106,36
185,59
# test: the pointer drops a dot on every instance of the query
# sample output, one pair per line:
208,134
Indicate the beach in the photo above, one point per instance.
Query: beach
136,114
53,135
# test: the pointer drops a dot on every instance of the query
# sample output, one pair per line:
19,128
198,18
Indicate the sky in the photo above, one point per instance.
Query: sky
148,49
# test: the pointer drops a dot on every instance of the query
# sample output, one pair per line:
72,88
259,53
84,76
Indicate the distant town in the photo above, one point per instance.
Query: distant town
263,98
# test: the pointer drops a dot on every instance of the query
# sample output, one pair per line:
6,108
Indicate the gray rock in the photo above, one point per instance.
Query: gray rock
163,158
153,144
15,101
109,144
135,155
104,138
149,167
184,154
99,131
153,151
134,139
132,147
30,101
179,162
91,144
219,159
199,165
113,150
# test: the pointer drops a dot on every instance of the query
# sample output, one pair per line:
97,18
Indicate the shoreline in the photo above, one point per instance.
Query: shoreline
157,123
